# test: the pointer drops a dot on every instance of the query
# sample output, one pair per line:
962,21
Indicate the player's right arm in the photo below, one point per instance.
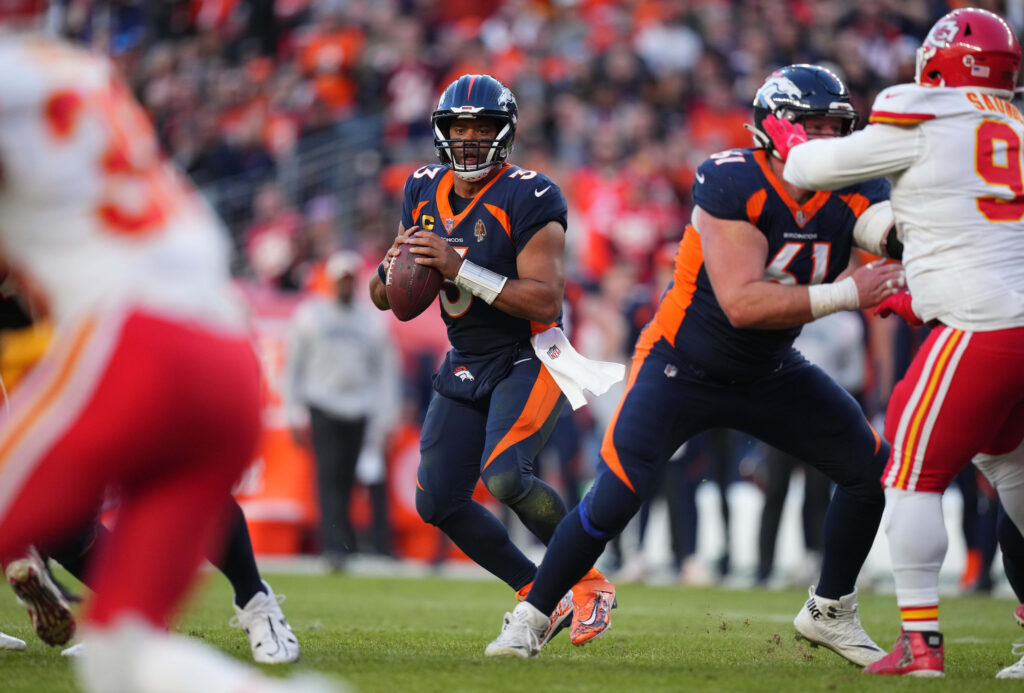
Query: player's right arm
735,255
378,291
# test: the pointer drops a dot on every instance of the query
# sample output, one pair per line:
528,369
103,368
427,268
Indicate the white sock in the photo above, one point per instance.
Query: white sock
134,657
916,531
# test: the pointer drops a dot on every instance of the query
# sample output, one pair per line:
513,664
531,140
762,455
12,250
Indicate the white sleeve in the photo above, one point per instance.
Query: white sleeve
874,152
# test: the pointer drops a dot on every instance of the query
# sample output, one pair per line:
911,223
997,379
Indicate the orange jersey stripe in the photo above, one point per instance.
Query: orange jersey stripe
755,205
925,405
856,202
608,452
665,323
502,216
539,404
809,208
899,118
32,412
418,209
444,206
672,310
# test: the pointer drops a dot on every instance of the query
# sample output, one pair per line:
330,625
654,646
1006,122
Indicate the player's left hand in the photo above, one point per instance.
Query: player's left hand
434,251
785,134
902,305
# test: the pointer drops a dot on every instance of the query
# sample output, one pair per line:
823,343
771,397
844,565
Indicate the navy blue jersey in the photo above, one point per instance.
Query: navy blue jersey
807,244
490,232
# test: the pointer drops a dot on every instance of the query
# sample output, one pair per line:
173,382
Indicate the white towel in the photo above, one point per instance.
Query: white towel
572,372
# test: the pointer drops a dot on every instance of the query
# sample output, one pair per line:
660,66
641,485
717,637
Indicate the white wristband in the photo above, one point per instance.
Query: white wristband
480,281
832,298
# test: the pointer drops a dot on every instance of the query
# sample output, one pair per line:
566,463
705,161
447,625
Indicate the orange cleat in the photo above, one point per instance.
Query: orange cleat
593,601
914,654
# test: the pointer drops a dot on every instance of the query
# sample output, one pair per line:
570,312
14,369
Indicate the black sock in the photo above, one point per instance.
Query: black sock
237,561
77,554
1012,544
480,535
850,527
571,553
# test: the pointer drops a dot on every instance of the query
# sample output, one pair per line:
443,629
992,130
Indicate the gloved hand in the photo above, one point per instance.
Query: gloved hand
785,134
901,304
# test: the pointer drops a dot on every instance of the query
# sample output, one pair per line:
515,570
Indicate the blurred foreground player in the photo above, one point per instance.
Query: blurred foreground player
497,234
23,341
952,144
761,259
151,386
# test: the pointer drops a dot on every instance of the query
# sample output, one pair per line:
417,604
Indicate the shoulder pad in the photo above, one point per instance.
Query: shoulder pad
910,104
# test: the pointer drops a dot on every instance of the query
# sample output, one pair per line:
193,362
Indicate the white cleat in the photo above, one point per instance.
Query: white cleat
270,637
833,623
521,633
1015,670
76,650
10,643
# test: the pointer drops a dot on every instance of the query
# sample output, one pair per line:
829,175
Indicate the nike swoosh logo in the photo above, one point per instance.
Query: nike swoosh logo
516,363
538,193
889,96
700,177
593,615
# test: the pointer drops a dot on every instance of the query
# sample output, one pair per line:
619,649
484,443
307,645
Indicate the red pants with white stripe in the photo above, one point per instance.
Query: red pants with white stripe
963,394
164,414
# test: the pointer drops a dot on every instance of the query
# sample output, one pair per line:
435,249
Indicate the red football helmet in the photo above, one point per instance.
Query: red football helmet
969,48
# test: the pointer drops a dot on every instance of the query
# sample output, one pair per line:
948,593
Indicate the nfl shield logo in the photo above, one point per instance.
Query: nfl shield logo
479,231
449,224
801,218
554,352
671,371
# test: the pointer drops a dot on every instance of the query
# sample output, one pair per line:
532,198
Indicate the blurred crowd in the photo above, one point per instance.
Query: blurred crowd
301,119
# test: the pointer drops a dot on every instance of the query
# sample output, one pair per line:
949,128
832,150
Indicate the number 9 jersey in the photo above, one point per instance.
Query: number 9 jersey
490,231
958,196
83,177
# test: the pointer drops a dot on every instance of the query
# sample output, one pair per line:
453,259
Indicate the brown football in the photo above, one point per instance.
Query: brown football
411,288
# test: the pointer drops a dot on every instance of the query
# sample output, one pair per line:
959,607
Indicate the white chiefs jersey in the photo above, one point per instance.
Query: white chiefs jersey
955,159
90,214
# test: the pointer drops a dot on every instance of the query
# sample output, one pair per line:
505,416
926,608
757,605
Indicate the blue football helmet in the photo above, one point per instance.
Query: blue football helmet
475,96
798,91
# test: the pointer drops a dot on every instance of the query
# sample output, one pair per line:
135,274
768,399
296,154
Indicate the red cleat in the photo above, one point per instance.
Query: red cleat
914,654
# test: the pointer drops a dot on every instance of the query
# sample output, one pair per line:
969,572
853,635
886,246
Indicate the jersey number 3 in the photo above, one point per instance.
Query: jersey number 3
998,162
137,193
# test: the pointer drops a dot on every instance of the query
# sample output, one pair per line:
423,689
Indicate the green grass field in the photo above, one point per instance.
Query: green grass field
428,634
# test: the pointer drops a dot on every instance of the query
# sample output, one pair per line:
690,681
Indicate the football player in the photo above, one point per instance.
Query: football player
952,144
150,385
760,259
497,233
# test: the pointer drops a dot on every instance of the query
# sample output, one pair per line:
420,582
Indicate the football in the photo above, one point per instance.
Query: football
411,288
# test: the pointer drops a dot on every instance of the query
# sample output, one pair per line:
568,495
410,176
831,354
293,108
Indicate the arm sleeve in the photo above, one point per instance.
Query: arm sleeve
876,151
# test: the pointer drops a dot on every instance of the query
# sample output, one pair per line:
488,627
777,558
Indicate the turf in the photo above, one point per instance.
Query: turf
428,634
